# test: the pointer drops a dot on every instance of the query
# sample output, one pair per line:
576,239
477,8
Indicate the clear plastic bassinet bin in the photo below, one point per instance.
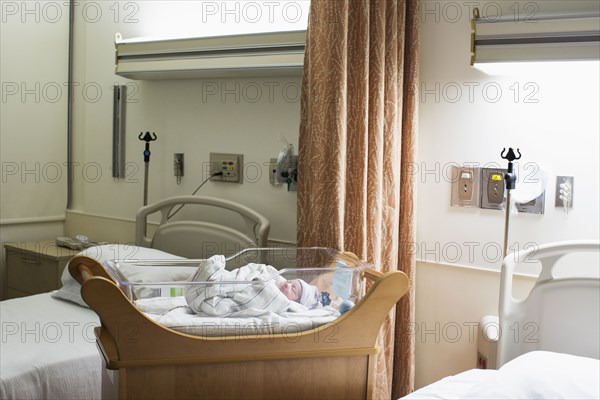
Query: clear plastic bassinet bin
327,278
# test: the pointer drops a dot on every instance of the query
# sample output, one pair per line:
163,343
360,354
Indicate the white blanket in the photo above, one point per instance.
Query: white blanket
248,291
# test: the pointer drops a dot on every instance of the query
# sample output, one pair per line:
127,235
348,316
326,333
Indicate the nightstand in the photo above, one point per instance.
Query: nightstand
35,267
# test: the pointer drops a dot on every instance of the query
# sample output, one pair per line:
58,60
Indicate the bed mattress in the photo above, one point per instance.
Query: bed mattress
48,350
534,375
174,313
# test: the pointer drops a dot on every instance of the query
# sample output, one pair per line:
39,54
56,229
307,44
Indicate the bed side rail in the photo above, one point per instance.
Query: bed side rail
559,314
257,226
548,254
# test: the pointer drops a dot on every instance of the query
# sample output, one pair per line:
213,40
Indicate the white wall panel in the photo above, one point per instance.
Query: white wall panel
33,112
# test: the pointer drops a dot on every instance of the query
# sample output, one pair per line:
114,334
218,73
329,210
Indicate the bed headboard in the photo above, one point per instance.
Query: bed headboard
200,239
560,314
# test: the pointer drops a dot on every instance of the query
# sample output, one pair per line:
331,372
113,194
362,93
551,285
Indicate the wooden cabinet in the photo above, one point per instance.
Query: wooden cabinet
35,267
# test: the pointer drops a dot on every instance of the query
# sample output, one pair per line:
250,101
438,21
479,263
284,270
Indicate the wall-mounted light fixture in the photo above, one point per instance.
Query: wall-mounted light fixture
548,38
257,54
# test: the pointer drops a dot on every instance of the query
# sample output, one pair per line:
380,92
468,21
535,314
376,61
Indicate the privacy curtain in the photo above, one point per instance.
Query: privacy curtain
357,150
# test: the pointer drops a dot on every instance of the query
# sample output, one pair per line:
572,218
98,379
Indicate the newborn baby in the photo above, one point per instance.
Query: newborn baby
301,292
246,291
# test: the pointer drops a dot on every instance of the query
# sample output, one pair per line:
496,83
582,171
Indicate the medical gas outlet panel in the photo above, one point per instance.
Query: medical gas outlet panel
229,165
486,188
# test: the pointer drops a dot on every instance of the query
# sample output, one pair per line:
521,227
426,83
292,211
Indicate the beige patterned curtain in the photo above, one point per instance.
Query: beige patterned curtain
357,147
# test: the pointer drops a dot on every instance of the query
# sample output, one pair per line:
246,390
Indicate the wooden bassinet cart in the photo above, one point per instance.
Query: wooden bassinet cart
144,360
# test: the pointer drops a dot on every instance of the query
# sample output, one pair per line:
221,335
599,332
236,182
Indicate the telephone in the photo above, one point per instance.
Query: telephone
79,243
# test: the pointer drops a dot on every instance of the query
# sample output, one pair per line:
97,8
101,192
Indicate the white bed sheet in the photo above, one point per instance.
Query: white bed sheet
48,350
534,375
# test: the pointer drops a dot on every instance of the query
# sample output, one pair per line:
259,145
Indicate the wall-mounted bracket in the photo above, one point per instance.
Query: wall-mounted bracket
118,156
178,166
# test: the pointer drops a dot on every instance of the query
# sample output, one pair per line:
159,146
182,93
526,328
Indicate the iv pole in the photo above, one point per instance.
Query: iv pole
511,179
146,138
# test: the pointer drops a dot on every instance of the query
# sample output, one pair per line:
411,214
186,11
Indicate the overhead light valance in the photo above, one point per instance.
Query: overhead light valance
263,54
543,39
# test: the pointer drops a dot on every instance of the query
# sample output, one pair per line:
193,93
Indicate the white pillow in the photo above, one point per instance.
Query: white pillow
543,375
106,253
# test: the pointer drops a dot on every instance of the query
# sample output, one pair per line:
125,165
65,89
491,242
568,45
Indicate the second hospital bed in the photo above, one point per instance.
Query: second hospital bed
549,344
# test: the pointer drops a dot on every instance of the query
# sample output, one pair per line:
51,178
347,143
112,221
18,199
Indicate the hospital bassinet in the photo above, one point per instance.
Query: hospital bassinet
145,359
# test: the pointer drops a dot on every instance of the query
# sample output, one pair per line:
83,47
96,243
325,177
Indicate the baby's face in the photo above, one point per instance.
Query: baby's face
291,289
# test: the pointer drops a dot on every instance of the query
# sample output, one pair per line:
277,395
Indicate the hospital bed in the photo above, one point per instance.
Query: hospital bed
335,359
47,350
48,346
549,342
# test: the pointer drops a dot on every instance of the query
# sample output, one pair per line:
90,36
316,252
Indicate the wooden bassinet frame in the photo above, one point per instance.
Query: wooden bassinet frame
145,360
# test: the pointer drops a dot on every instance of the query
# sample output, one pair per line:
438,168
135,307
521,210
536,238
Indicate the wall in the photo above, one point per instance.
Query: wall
450,302
468,117
195,117
33,121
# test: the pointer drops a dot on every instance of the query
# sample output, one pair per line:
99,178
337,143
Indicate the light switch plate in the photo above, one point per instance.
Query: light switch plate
492,188
465,187
231,165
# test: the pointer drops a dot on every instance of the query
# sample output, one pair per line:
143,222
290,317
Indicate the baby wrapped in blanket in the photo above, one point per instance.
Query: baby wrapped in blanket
266,292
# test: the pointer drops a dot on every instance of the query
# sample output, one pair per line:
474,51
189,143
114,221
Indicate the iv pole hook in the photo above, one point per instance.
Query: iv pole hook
510,156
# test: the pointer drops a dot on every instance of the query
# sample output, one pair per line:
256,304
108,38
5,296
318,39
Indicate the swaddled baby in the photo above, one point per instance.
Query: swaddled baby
301,292
268,291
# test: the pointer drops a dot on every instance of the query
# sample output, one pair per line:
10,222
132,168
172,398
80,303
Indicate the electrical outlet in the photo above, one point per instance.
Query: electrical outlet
231,165
566,184
465,187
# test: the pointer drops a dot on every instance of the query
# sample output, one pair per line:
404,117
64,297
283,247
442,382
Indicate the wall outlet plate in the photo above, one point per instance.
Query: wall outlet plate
465,187
273,172
570,181
231,165
492,188
178,164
